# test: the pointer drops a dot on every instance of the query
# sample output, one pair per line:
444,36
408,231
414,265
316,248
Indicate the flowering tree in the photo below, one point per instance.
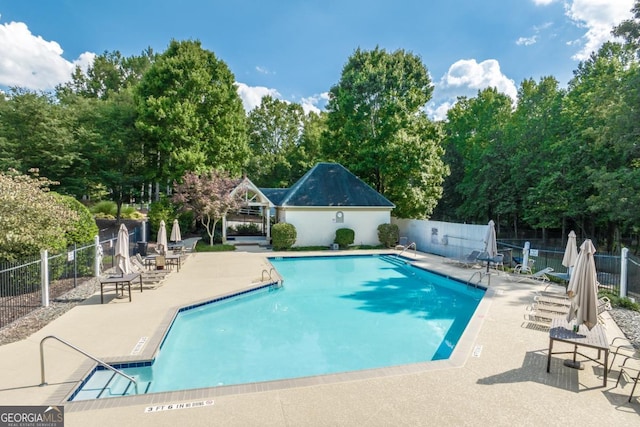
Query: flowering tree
31,218
210,196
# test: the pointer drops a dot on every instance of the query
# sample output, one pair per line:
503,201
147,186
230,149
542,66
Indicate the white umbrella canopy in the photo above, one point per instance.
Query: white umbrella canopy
583,288
123,264
570,252
175,232
161,241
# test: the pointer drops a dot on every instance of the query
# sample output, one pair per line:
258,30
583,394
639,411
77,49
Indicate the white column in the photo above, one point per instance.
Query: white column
268,225
525,255
224,229
98,258
44,276
624,260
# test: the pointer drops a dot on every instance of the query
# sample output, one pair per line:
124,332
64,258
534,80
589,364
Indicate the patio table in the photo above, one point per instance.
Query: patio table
119,281
596,338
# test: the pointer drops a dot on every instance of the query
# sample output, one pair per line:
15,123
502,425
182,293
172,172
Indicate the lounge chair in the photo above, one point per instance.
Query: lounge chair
402,243
148,276
466,261
538,276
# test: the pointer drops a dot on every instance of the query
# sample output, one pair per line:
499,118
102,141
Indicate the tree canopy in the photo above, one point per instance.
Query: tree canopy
377,129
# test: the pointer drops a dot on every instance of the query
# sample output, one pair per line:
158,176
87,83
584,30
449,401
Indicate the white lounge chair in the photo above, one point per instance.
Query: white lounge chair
538,276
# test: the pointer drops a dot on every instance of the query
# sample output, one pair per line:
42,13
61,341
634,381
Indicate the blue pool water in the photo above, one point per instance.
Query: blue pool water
333,314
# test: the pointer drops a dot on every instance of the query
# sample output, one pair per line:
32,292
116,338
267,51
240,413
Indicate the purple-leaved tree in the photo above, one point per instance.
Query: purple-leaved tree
209,196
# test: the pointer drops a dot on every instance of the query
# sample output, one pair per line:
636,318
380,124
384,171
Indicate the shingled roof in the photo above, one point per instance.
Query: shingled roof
328,184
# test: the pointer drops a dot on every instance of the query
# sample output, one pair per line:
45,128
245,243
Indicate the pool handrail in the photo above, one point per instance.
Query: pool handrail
95,359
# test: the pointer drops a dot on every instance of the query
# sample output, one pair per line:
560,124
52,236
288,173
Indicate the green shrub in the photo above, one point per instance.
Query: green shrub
283,236
158,211
344,237
388,234
104,208
249,229
83,229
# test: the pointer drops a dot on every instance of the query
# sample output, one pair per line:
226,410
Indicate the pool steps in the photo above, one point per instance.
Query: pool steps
104,384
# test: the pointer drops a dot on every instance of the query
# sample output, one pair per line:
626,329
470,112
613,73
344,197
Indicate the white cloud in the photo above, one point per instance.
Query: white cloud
29,61
314,103
598,17
252,95
465,78
263,70
543,2
526,41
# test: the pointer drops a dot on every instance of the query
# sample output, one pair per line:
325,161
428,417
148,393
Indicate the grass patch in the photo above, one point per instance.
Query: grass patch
204,247
620,302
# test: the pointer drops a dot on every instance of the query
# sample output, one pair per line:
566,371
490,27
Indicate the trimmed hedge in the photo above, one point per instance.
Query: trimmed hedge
344,237
283,236
388,234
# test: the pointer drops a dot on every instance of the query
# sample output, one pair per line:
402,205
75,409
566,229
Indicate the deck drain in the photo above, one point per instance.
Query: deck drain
477,350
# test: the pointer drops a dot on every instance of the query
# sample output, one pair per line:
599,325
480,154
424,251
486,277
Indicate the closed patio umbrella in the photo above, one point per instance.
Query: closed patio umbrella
570,253
583,288
491,243
123,264
161,241
175,232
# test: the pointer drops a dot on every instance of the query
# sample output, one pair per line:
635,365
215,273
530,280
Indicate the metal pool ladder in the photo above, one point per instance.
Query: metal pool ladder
95,359
279,281
408,247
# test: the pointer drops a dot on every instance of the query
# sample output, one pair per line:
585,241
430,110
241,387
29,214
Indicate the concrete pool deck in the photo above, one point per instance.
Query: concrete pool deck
497,375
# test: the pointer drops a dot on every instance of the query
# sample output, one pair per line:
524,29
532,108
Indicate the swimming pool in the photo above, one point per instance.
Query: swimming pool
333,314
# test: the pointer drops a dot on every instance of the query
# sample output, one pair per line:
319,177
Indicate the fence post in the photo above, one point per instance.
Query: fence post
44,276
98,257
144,231
525,255
624,260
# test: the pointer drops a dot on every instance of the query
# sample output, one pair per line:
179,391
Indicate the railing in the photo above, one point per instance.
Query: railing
407,248
95,359
270,277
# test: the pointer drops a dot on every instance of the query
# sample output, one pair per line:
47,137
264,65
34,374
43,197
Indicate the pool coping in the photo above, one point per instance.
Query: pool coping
457,359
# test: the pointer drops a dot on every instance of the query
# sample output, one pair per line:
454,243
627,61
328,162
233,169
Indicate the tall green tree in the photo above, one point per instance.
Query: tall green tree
275,130
597,111
190,114
539,191
36,135
376,128
475,141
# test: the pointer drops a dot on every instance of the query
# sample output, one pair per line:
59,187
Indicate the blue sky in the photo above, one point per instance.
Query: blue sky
295,50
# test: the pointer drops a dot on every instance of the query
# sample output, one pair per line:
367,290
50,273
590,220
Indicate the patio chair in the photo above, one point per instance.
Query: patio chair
538,276
632,370
623,348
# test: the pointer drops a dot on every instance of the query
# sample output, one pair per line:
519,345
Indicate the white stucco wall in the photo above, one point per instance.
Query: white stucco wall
317,227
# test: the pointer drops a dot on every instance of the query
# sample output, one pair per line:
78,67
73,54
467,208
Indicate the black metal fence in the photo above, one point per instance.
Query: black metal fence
21,281
20,290
608,266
